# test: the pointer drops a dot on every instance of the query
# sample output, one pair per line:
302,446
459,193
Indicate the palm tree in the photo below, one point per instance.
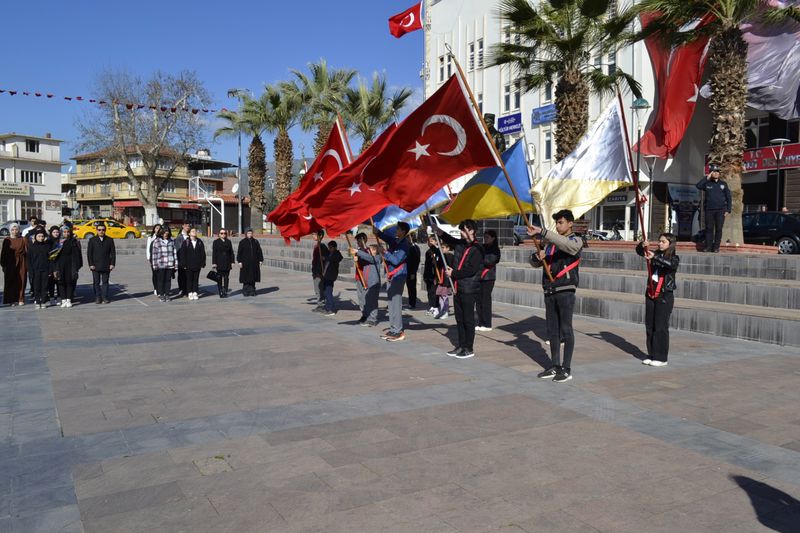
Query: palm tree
321,91
283,106
368,109
727,61
250,120
553,43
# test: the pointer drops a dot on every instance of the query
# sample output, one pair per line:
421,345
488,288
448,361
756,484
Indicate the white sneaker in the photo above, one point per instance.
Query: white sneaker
647,361
658,363
480,328
63,303
155,293
444,316
69,303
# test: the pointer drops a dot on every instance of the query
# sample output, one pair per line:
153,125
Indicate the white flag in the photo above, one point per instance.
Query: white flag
597,167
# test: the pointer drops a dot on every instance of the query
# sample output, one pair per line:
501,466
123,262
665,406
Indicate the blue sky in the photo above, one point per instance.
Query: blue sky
60,47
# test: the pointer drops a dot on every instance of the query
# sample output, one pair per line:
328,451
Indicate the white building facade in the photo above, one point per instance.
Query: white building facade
30,177
472,28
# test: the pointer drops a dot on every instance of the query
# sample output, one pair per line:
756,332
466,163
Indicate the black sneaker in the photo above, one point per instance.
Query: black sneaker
562,376
370,324
316,309
362,320
454,352
550,373
465,353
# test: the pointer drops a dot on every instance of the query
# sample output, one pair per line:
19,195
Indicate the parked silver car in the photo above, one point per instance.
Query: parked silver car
5,228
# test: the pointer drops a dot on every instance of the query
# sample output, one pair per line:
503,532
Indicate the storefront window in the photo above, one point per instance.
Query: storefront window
613,215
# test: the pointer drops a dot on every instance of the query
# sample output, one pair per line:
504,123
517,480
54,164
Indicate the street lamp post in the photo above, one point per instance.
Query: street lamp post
237,93
650,161
639,107
780,142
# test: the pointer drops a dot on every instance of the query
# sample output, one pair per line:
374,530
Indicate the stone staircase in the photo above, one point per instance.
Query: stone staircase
754,297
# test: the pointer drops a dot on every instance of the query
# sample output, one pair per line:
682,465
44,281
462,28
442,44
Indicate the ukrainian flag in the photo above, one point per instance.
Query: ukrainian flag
488,195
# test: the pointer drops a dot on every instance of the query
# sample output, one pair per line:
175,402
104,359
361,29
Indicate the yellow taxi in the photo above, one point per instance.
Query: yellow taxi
114,229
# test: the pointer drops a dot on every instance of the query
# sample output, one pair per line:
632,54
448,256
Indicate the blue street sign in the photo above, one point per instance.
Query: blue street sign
509,124
543,115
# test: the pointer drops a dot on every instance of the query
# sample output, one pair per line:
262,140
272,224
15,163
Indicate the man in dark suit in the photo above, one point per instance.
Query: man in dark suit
101,256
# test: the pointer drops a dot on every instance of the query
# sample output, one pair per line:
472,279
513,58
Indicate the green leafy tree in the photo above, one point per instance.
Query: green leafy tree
283,107
368,109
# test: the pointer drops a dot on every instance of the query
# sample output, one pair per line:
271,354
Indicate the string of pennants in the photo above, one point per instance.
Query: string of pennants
128,105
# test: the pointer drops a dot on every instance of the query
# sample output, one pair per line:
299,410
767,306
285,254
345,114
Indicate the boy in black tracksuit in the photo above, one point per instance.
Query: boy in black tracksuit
491,256
717,205
562,254
39,267
466,275
412,264
330,273
429,275
318,258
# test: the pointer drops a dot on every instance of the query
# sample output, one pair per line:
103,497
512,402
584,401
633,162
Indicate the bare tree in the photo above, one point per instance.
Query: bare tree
147,126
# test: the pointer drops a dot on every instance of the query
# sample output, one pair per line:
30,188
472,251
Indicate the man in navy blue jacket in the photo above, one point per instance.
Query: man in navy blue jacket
717,206
396,275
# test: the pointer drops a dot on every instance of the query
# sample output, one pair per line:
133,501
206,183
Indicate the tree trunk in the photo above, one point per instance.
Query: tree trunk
572,112
257,169
256,220
323,132
283,166
150,215
727,60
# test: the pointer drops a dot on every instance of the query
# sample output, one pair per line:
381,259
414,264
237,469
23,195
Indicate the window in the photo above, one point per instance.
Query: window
480,102
507,34
471,58
548,146
506,97
30,209
756,132
93,188
168,186
30,176
480,53
548,92
441,69
449,66
517,94
612,63
31,146
2,178
3,210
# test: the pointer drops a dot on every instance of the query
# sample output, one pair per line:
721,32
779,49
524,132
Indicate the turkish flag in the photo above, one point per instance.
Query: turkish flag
407,21
349,198
291,216
441,140
678,73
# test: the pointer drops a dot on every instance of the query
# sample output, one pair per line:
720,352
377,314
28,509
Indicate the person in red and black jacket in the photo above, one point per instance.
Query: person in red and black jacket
491,256
429,275
318,257
561,255
662,265
466,275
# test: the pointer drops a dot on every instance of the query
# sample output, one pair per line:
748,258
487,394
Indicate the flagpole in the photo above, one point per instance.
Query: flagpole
358,268
497,155
343,130
536,202
377,240
635,172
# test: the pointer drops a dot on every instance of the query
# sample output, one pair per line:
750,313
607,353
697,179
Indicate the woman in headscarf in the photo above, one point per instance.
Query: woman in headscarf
66,266
54,240
164,260
149,254
249,256
15,266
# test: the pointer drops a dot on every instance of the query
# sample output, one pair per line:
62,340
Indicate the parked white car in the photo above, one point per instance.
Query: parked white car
451,230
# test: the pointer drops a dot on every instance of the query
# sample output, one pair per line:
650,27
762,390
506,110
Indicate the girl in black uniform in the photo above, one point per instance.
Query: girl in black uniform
662,264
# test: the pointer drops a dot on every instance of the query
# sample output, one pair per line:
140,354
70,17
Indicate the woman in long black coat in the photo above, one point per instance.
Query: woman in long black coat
250,258
222,260
192,258
66,266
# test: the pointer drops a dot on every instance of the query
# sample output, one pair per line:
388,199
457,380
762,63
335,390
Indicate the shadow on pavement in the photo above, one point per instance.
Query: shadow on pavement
774,508
528,339
621,343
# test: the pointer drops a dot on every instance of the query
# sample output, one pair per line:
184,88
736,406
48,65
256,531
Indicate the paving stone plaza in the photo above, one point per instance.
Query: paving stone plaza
256,415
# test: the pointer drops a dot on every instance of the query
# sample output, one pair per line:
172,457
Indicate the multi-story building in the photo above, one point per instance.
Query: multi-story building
30,177
472,28
102,189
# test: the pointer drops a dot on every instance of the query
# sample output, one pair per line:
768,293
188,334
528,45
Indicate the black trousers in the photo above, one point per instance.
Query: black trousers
656,323
51,287
411,285
484,304
192,280
66,288
714,222
164,281
223,277
40,282
558,312
464,307
155,279
182,281
433,300
100,284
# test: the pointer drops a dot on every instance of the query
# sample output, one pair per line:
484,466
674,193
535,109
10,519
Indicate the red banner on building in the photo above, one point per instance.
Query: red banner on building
764,158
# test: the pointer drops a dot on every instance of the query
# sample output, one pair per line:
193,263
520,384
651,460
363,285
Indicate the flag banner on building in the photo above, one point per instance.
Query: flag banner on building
488,194
349,197
130,106
678,73
773,64
407,21
392,214
597,167
291,216
441,140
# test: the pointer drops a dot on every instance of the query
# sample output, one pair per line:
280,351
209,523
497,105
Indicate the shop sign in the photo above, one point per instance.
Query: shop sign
760,159
617,198
52,205
543,115
14,189
510,124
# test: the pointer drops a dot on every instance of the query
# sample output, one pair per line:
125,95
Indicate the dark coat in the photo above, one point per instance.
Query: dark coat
718,195
331,271
429,272
250,256
491,256
101,254
222,255
467,264
39,257
319,255
192,257
662,267
69,260
413,260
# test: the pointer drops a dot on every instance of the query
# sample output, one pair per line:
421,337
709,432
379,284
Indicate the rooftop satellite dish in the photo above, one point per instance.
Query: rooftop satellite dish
235,188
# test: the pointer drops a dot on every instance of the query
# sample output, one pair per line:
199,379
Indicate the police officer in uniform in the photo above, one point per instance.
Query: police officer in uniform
498,138
717,206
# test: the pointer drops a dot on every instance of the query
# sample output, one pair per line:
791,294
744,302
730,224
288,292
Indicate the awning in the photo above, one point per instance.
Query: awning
166,205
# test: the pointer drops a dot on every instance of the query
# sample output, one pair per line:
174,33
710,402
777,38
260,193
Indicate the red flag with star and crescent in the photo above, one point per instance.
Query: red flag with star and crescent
441,140
348,198
407,21
291,216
